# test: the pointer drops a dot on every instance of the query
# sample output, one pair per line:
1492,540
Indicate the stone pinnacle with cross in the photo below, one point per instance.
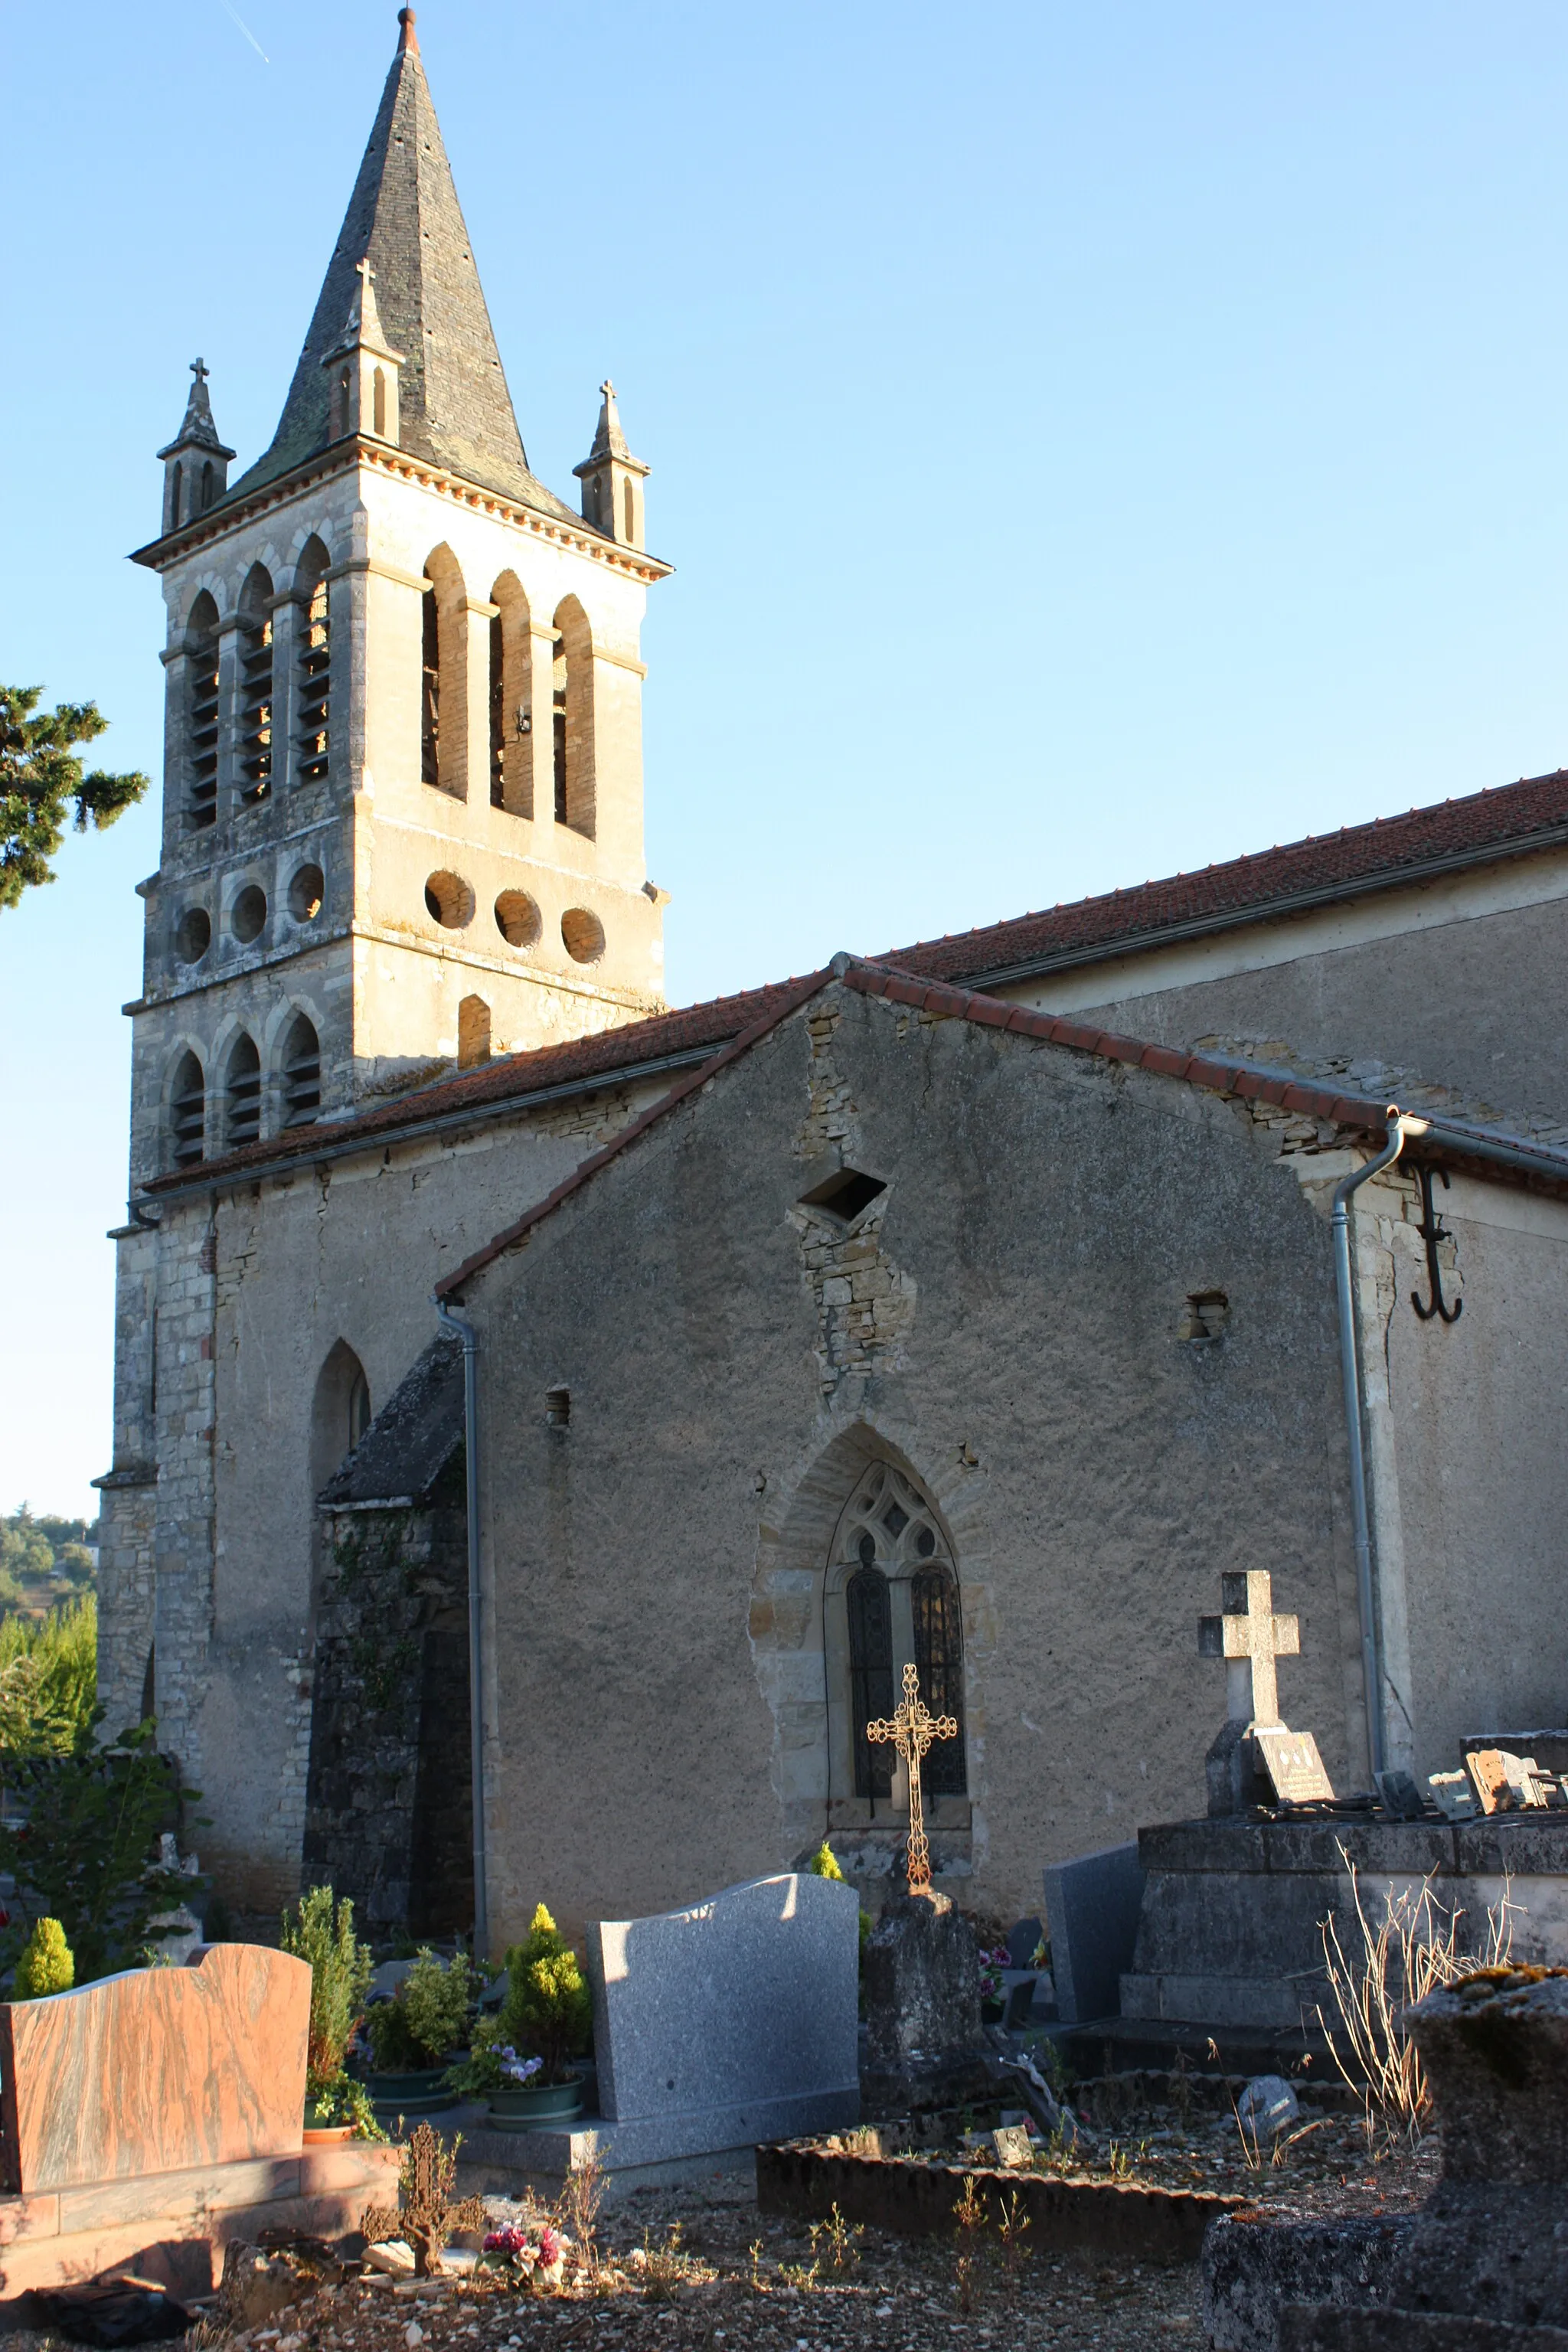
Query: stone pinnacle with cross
911,1727
1249,1637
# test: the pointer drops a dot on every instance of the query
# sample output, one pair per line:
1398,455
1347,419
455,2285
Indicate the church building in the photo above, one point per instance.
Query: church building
547,1422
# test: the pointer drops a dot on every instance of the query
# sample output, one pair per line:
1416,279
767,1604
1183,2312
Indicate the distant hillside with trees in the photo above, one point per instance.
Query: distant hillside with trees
44,1562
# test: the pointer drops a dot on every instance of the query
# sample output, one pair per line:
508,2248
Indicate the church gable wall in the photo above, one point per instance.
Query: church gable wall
1017,1333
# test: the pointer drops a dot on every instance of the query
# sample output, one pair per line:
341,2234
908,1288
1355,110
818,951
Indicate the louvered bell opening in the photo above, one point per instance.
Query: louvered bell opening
303,1088
315,671
256,711
188,1117
244,1107
202,806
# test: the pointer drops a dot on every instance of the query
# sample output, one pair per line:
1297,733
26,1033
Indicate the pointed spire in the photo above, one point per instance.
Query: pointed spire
404,219
362,327
609,441
196,428
612,478
196,462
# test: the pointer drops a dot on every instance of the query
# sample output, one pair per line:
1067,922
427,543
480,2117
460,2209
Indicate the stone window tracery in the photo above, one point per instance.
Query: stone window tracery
893,1596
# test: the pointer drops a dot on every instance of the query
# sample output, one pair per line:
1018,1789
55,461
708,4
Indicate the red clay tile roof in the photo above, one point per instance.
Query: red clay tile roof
1507,822
608,1055
1361,1113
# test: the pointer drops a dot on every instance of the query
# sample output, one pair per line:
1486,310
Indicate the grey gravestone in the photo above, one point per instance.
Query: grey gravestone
1401,1797
1092,1910
728,2023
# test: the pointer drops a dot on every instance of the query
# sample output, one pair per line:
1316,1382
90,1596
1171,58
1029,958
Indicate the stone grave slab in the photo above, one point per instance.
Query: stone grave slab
1228,1941
1293,1765
716,2028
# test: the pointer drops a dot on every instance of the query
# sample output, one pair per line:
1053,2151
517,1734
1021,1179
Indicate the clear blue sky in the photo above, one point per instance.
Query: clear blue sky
1093,440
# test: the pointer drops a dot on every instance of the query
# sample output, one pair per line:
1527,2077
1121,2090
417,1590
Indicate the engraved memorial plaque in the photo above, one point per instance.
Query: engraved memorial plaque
1292,1762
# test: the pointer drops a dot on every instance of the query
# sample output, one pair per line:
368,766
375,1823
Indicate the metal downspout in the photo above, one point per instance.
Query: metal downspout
470,1341
1350,1374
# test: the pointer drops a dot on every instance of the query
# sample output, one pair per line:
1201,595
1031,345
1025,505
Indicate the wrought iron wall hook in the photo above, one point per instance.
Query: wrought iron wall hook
1432,1231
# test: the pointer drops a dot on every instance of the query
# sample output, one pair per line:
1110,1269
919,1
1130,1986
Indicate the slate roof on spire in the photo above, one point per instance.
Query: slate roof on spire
454,408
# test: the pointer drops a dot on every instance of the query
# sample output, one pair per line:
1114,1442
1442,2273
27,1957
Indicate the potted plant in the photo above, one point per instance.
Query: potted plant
549,2014
413,2036
494,2072
322,1933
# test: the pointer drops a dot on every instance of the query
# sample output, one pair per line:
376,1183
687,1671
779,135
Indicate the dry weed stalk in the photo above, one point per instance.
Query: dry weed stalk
968,2224
1410,1952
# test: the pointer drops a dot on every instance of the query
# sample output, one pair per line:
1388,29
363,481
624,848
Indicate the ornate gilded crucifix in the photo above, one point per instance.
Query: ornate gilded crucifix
911,1727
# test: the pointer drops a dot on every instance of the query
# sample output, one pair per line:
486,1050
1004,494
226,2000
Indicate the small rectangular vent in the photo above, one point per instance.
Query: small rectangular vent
844,1195
1206,1315
558,1407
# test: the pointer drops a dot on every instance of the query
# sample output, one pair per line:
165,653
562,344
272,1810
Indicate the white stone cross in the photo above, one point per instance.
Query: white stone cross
1249,1638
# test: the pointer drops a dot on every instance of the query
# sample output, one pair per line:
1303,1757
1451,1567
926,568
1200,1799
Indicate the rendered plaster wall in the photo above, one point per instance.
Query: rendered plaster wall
257,1295
1455,986
1478,1414
1005,1327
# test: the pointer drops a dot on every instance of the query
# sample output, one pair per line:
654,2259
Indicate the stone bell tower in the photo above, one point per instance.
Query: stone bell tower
403,764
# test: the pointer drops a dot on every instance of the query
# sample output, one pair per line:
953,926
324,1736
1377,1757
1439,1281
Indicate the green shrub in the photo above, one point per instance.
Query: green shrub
48,1680
824,1862
45,1965
323,1935
86,1854
426,2017
549,2009
341,2100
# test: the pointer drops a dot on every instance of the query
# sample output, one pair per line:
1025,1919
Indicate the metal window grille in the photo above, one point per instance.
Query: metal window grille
244,1094
870,1676
939,1658
200,809
187,1113
315,687
256,709
302,1077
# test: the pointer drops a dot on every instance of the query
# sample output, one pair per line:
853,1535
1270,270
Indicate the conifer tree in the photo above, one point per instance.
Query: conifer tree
40,774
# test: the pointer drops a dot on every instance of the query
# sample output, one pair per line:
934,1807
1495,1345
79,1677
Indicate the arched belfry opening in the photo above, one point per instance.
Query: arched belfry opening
891,1598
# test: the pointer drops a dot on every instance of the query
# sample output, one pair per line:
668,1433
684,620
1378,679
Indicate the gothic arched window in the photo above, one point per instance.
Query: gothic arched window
631,505
892,1597
187,1113
242,1090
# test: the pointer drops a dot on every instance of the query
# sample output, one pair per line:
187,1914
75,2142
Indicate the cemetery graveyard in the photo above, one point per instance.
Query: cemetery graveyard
1143,2116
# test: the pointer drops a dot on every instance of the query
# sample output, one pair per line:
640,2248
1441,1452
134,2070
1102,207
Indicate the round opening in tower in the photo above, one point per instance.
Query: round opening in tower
248,914
583,935
518,918
306,893
193,935
448,900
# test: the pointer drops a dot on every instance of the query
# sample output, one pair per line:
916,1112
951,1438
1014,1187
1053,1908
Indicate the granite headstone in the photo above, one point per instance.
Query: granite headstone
1092,1906
728,2023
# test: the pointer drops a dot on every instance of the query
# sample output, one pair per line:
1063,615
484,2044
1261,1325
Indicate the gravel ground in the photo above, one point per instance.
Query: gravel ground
672,2268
